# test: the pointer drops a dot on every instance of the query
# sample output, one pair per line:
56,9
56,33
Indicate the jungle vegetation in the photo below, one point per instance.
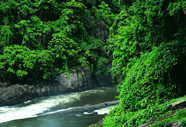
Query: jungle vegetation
146,40
40,36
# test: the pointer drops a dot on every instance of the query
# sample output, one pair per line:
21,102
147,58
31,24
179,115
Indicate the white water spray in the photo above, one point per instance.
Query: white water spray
9,113
43,107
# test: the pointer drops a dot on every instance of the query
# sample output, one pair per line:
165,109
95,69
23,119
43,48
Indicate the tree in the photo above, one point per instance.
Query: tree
55,28
149,41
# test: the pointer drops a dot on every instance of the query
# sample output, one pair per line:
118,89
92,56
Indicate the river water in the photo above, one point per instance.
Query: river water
45,111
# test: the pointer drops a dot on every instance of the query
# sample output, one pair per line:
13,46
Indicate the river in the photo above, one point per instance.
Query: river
45,111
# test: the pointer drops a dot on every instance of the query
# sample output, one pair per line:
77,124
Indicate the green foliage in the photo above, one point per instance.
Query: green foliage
103,12
51,32
16,60
94,54
132,119
183,122
44,64
118,22
159,115
147,39
125,46
21,87
19,61
178,116
5,36
63,47
32,32
66,69
92,68
145,82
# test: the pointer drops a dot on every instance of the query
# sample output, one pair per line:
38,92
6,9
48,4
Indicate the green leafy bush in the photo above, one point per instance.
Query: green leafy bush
52,32
19,61
183,122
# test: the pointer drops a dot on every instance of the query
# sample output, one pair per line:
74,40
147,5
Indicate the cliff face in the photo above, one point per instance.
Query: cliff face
79,81
99,31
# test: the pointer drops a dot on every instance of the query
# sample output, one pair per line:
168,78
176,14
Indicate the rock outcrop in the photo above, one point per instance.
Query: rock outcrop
79,80
15,94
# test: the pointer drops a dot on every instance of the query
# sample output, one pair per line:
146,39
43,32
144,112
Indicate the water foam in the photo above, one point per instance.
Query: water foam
9,113
104,111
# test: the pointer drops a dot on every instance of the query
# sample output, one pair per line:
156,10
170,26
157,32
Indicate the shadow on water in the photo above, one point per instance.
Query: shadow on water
57,121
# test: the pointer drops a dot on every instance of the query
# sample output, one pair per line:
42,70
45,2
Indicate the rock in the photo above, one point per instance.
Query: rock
110,103
99,31
177,104
79,80
98,106
176,124
16,94
144,125
86,108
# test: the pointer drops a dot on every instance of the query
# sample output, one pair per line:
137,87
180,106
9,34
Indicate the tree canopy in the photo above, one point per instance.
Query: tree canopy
39,36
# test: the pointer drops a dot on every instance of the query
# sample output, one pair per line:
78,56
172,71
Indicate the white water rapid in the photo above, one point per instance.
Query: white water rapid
55,104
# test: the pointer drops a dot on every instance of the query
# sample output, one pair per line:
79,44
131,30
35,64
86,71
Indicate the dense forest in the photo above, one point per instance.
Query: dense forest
144,38
39,37
148,37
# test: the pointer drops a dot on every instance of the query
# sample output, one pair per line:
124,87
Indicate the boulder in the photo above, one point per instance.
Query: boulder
177,104
15,94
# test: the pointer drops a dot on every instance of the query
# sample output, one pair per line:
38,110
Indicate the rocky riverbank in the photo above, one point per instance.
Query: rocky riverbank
79,80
